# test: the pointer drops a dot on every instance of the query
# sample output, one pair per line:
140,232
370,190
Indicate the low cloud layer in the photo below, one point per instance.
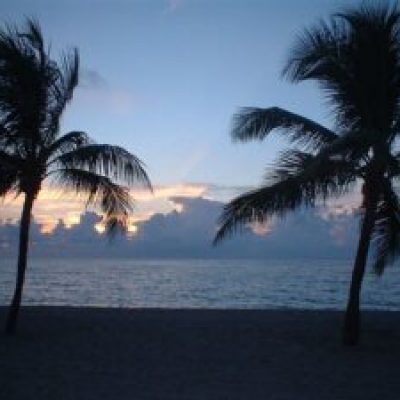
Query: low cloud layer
54,206
187,230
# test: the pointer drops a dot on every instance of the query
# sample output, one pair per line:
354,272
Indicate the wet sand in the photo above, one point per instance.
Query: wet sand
89,353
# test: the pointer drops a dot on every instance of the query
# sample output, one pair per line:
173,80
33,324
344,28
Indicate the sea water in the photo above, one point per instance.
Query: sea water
187,283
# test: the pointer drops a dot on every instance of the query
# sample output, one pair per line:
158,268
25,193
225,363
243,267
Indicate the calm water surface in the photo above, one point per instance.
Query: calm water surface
306,284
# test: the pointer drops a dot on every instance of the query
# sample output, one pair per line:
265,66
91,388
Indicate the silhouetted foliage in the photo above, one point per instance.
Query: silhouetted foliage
355,58
34,92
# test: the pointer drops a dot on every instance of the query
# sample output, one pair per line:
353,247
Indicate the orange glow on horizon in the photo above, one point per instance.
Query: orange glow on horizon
54,206
100,228
132,230
261,229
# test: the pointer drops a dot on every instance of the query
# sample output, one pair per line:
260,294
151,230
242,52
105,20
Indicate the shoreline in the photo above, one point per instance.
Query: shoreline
92,353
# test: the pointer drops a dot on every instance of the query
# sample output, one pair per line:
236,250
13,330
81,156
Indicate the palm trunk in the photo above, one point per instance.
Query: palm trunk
11,323
351,326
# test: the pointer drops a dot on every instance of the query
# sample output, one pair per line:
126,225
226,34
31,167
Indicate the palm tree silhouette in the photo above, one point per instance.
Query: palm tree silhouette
355,59
34,92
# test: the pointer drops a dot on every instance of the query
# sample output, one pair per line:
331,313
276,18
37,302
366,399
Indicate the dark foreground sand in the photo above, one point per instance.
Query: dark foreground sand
66,353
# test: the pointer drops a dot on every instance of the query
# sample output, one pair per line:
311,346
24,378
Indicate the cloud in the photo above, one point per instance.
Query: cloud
115,100
96,93
90,78
54,205
262,229
187,230
225,193
347,204
173,5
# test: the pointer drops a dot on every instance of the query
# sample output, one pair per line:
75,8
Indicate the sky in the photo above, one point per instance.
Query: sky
163,78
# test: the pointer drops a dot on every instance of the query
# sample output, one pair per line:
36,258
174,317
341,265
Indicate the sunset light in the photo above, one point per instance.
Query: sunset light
199,199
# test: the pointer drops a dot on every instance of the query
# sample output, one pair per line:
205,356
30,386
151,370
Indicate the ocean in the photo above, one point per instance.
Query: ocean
187,283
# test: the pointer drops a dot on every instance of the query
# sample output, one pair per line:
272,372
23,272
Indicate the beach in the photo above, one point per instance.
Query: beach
94,353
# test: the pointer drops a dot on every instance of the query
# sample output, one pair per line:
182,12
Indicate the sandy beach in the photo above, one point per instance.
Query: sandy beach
87,353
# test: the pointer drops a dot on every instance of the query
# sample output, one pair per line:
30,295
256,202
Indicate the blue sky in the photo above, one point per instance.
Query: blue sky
163,78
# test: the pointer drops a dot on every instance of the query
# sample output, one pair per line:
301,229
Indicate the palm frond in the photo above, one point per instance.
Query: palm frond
382,15
299,179
34,35
112,161
113,200
335,168
66,143
355,57
386,237
58,80
28,72
23,74
256,123
10,166
8,180
316,51
10,160
61,91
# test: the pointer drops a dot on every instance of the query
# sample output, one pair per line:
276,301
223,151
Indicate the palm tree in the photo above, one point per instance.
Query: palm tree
355,59
34,92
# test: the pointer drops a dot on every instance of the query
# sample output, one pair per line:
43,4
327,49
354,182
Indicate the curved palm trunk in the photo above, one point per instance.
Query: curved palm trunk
11,323
351,326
